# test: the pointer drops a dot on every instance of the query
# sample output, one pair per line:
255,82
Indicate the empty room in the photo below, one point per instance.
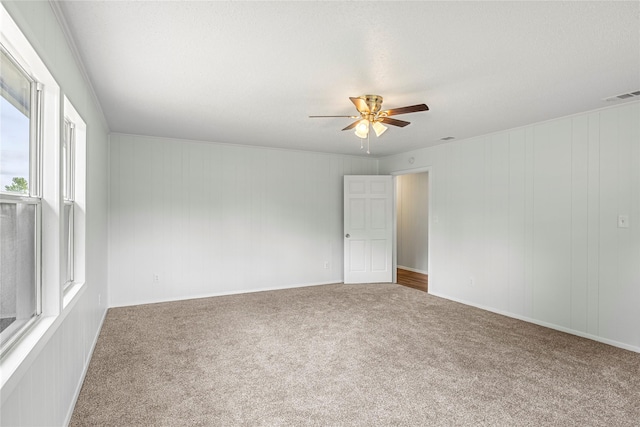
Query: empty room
292,213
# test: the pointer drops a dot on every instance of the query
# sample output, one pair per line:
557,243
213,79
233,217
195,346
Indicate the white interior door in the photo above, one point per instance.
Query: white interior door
368,229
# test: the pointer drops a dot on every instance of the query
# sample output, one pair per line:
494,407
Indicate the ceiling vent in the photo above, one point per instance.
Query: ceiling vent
623,96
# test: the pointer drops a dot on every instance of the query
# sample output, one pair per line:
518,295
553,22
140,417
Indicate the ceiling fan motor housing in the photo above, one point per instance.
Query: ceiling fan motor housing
374,102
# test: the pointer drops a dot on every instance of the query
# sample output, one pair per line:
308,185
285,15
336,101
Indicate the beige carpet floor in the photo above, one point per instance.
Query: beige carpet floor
348,355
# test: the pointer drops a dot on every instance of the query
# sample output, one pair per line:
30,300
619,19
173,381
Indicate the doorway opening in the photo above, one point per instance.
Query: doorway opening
412,229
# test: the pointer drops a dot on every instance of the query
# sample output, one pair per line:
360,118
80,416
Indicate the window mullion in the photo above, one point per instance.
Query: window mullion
71,242
38,257
72,156
35,141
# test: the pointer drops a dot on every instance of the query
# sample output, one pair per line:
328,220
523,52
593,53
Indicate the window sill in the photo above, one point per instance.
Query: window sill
23,352
19,359
70,293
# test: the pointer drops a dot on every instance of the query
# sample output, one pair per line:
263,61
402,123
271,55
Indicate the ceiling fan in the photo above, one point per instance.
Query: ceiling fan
369,107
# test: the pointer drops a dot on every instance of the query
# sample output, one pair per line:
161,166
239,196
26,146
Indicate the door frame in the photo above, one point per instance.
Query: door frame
394,210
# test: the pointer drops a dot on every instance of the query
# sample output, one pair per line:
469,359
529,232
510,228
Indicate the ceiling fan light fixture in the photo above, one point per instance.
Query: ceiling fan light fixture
379,128
362,129
372,116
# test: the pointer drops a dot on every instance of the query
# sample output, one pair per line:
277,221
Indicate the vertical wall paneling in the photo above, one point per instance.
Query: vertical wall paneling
531,215
552,222
440,201
634,211
496,231
609,249
629,204
468,178
593,221
193,219
516,222
619,279
528,222
579,221
11,411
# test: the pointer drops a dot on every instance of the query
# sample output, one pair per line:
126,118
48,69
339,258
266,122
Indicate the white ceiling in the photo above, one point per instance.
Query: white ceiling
251,72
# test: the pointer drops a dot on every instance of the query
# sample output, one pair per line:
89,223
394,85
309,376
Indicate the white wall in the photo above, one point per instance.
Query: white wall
531,216
412,212
210,219
42,391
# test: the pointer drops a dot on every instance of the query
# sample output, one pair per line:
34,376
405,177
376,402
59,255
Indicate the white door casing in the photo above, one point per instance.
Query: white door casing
368,229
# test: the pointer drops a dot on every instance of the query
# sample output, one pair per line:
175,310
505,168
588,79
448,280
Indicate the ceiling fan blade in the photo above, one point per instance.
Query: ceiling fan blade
317,117
360,104
405,110
352,125
394,122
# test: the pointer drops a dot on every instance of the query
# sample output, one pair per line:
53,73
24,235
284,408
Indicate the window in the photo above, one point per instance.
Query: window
67,175
20,201
73,181
31,202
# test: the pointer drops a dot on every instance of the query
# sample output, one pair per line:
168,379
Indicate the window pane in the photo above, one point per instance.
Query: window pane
67,252
17,266
67,154
15,105
65,161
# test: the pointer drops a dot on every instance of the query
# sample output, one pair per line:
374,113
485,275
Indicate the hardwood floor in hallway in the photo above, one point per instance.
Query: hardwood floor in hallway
412,279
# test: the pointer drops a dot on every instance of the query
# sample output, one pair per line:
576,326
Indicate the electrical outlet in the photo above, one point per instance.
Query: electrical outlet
471,282
623,221
326,265
99,299
156,278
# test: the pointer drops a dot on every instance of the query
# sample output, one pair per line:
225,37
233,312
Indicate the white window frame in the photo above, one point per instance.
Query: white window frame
76,180
47,189
67,174
68,159
33,197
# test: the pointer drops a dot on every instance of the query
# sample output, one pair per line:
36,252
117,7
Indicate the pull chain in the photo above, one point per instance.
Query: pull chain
368,134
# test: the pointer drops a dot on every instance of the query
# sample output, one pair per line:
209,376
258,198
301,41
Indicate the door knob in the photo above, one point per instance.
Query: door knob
347,235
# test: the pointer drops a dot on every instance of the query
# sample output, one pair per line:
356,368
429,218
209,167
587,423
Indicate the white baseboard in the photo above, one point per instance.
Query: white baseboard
219,294
541,323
